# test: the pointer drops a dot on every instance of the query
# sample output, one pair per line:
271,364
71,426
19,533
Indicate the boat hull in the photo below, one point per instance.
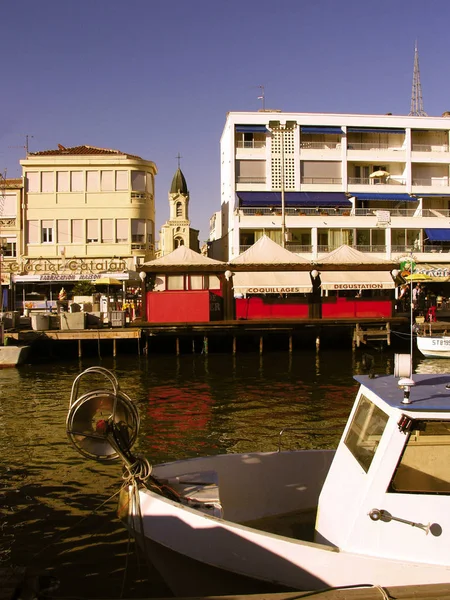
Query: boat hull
201,554
434,346
13,356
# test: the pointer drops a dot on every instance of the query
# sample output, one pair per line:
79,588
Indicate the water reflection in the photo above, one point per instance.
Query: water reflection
189,405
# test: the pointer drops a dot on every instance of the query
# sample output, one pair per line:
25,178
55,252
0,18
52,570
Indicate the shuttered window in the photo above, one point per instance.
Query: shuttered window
62,181
32,181
93,181
107,181
121,181
138,181
91,230
33,236
76,181
138,231
9,205
47,182
62,231
77,231
122,230
107,231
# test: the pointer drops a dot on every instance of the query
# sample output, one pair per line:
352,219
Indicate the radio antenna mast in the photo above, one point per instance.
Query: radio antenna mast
416,94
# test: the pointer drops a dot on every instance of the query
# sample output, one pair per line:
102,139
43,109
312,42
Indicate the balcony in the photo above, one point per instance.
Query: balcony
431,181
320,145
429,148
321,180
370,146
251,144
140,197
390,180
250,179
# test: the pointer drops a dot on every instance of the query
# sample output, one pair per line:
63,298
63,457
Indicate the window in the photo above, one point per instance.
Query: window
121,231
77,231
93,181
121,181
107,181
32,179
9,202
149,183
138,231
138,181
62,231
250,171
76,181
175,282
9,247
47,182
62,181
91,230
179,209
47,232
177,242
33,232
107,231
365,432
196,282
423,467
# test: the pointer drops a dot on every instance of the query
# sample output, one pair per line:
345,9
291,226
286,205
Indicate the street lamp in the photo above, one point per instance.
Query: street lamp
277,127
142,276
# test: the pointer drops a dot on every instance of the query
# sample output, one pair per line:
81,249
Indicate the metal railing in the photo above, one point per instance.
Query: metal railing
346,212
251,144
371,146
390,180
320,145
370,248
250,179
429,148
321,180
428,181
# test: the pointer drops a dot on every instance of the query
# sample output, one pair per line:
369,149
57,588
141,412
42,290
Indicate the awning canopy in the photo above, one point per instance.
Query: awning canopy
272,282
438,235
293,199
373,130
324,129
357,280
434,272
387,196
251,129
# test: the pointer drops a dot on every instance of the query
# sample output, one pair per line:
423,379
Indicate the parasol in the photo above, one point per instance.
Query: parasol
107,281
379,174
418,277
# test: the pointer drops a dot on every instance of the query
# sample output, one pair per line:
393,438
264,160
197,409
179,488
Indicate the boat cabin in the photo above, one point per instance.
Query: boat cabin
387,490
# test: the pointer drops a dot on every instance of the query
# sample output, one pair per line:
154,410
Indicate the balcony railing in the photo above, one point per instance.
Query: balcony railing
429,181
299,248
346,212
320,145
294,212
429,148
370,247
250,179
371,146
251,144
322,180
390,180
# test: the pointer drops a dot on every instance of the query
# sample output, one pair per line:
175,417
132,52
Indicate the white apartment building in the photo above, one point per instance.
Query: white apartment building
379,183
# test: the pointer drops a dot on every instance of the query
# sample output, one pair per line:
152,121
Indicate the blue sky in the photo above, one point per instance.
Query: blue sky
157,77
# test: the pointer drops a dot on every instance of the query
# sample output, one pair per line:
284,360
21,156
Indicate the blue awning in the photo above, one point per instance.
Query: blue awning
373,130
393,197
433,195
333,130
293,199
438,235
251,128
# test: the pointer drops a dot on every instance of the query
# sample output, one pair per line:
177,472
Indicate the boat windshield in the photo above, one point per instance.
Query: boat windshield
423,467
365,431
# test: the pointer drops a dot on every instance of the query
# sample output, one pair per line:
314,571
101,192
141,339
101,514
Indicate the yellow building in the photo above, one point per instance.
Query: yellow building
87,212
10,233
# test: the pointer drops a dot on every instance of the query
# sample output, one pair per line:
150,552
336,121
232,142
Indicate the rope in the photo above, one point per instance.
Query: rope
141,470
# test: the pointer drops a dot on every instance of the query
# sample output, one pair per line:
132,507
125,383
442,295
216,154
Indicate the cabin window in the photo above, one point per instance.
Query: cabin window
365,432
423,467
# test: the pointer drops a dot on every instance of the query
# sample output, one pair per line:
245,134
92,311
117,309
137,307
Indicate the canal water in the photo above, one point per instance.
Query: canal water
58,509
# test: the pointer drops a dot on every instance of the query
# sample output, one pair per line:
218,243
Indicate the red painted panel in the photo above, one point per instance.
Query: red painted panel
183,306
348,307
259,308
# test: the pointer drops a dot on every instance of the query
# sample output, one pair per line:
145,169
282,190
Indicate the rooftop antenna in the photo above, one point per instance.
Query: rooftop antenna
262,97
27,138
178,157
416,93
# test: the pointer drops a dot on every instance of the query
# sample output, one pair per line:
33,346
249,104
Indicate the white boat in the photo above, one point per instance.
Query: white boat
434,346
375,511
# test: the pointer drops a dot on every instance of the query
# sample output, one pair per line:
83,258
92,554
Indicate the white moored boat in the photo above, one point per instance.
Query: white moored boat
375,511
434,346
